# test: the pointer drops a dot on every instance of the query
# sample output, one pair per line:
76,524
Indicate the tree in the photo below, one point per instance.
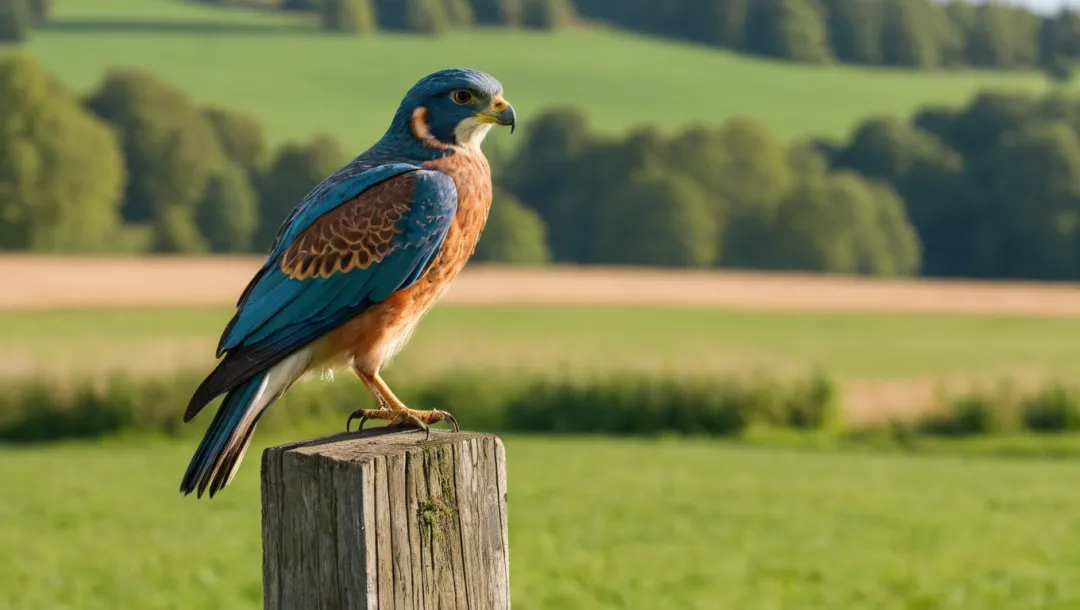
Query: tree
1033,201
61,171
514,234
854,27
170,151
793,29
459,13
720,22
296,169
744,173
498,12
908,33
664,221
16,19
347,16
240,136
840,223
550,175
1002,37
228,216
40,10
547,14
422,16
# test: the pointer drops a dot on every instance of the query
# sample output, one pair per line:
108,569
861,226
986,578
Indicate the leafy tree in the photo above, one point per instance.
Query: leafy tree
854,27
928,175
296,169
61,172
514,234
1033,194
170,151
228,216
16,19
547,14
498,12
40,10
422,16
665,221
348,16
908,33
1002,36
240,135
721,22
794,29
459,13
550,174
841,224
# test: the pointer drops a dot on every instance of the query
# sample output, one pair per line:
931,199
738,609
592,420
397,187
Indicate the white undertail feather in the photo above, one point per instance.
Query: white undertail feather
280,377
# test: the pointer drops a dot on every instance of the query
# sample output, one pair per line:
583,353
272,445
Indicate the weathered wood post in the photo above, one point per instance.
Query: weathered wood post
386,520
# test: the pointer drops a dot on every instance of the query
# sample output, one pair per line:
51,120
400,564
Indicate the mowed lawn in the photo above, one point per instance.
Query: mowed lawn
583,339
298,80
593,524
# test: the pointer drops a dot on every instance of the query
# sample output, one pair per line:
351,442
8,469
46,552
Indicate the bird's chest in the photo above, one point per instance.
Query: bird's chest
472,177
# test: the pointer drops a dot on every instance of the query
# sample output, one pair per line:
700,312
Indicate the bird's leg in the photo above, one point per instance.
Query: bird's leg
392,409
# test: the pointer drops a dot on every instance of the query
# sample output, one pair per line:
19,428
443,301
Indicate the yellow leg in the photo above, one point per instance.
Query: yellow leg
392,409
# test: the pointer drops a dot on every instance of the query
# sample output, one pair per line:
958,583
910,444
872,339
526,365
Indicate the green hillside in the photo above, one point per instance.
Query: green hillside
298,80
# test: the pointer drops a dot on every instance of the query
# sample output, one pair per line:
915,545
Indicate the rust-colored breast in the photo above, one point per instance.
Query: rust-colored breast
353,235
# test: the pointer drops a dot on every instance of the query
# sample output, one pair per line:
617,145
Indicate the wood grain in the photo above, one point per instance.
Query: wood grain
386,520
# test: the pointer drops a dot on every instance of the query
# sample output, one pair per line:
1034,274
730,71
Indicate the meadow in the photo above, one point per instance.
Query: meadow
593,524
298,81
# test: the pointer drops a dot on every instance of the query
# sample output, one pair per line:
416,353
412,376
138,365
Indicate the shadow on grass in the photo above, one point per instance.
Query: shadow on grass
115,26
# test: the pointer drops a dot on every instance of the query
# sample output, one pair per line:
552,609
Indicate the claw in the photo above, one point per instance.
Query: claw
419,420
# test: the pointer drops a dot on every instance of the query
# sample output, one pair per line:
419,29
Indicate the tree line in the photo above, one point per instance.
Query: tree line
991,189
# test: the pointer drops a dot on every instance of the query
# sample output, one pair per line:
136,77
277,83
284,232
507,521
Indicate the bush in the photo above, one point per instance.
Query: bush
635,404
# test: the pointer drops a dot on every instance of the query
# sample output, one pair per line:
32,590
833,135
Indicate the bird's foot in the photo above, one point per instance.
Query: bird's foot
403,417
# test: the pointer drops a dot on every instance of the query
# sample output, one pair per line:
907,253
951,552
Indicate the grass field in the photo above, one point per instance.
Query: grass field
298,80
593,524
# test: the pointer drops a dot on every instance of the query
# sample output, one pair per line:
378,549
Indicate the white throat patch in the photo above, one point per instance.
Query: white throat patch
470,133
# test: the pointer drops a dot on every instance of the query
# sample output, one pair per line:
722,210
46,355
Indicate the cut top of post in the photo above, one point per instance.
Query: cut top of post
386,519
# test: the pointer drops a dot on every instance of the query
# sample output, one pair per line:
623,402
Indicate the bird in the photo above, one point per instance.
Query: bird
355,266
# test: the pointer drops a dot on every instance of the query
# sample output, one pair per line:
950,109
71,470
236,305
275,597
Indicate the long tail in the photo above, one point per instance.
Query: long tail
227,439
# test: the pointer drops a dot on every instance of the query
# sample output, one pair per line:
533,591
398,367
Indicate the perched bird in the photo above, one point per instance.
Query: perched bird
355,266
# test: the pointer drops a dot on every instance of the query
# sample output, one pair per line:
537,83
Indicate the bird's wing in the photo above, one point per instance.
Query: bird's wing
329,263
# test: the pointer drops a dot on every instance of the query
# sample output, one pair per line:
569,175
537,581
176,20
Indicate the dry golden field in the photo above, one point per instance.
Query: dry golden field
41,282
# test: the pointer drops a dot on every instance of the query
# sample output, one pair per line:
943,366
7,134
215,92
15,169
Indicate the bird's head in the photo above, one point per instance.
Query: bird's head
455,107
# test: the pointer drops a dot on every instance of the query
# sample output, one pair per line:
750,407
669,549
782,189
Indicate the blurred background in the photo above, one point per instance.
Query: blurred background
774,308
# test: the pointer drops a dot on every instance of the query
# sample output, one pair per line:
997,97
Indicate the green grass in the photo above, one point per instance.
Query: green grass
298,80
594,338
593,524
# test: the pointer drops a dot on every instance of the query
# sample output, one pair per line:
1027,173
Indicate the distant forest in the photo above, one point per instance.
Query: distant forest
921,34
991,189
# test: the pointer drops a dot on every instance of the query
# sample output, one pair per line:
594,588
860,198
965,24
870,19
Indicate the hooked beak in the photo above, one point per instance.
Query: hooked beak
500,113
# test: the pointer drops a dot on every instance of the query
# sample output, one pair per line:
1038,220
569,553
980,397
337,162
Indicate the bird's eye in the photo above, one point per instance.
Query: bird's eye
461,96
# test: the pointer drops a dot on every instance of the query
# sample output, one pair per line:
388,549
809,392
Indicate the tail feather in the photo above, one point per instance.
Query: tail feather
221,437
222,448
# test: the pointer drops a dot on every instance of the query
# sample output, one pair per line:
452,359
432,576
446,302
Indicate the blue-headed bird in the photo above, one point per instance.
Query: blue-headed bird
355,266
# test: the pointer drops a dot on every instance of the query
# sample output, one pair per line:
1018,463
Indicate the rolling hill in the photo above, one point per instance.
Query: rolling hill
298,80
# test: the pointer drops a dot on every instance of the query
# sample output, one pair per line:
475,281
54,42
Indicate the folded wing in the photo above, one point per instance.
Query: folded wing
330,262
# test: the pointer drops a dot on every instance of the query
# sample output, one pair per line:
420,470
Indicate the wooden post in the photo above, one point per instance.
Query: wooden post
384,520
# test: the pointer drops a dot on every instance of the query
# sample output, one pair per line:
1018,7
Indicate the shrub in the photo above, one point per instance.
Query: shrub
632,404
